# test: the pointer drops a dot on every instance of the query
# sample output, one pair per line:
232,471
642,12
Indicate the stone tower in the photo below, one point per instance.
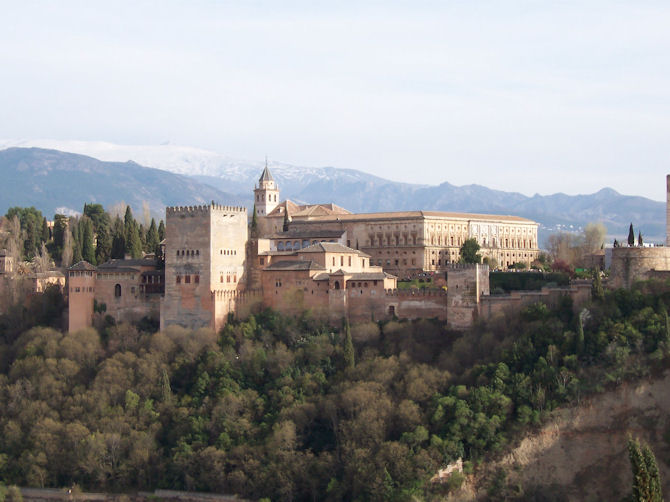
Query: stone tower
466,283
81,293
205,260
266,194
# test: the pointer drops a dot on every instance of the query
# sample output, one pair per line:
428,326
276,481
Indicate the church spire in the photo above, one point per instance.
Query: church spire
266,175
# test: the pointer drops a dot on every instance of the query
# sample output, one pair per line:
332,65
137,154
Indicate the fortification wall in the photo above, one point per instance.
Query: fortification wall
465,286
489,306
630,264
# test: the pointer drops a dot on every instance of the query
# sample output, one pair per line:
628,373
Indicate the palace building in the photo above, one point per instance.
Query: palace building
294,257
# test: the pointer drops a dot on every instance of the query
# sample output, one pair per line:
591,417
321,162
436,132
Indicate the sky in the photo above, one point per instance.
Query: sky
527,96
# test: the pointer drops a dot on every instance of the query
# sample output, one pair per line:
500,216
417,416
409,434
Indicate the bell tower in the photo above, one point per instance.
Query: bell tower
266,195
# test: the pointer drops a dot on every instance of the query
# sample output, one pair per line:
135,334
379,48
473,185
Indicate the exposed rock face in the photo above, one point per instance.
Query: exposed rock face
581,453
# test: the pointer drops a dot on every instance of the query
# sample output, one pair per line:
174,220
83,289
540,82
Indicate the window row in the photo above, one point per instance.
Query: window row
187,279
228,252
188,252
228,278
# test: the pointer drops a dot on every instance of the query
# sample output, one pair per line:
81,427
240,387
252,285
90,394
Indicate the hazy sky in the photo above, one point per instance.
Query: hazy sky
531,96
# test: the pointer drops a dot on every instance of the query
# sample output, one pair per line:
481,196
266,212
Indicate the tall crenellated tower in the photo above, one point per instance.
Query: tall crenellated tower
266,195
205,264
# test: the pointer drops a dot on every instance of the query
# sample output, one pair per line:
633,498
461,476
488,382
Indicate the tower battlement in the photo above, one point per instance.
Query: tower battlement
205,209
465,266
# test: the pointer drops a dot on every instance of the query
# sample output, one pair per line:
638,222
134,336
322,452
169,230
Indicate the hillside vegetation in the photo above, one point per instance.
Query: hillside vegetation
291,409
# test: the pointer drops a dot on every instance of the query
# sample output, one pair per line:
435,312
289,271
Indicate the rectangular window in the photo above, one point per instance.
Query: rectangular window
179,279
196,279
262,261
187,279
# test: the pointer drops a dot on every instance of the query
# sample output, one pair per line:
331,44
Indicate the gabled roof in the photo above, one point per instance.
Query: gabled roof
371,276
295,265
82,265
307,210
266,175
299,232
331,247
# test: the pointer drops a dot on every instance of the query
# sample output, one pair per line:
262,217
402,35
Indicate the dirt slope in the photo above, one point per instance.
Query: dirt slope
580,454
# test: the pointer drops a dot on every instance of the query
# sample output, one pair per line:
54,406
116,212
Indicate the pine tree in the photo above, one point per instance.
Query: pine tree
631,236
348,347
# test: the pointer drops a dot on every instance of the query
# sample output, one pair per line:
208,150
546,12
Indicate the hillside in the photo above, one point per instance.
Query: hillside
54,181
362,192
580,453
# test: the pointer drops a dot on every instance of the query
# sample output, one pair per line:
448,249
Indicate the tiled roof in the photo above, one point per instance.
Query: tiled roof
82,265
299,232
331,247
266,175
421,215
118,263
295,265
307,210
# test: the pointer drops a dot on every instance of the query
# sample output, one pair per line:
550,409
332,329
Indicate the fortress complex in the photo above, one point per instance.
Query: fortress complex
295,257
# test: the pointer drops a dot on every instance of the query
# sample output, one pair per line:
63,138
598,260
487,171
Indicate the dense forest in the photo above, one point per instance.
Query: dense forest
95,236
293,409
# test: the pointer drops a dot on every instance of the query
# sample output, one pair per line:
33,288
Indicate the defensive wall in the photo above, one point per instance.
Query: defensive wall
515,301
630,264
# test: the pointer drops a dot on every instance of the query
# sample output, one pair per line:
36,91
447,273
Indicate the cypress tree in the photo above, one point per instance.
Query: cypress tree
579,343
286,220
134,243
87,249
153,242
45,230
118,239
348,347
597,292
631,236
254,222
639,238
646,479
161,231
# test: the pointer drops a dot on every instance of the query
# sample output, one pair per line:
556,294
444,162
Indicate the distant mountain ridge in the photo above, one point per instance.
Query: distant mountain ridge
54,181
362,192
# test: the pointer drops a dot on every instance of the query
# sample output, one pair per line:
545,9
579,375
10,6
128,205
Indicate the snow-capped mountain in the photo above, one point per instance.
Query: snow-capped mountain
362,192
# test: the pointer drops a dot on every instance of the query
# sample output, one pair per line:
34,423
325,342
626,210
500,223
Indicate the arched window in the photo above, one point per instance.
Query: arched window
288,246
296,245
337,284
117,291
280,246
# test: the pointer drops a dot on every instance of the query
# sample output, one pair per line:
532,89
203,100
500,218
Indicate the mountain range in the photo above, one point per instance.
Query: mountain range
184,175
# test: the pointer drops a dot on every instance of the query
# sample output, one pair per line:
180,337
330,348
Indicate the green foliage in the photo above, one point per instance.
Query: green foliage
31,221
469,251
631,235
646,479
274,406
348,352
525,281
